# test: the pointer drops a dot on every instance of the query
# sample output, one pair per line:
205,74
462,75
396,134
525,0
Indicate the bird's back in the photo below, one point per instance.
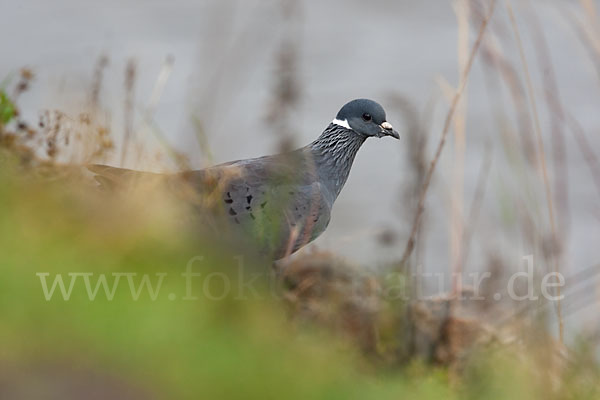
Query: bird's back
276,203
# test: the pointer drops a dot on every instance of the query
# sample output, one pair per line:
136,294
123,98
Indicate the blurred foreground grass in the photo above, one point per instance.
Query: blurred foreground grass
219,346
79,348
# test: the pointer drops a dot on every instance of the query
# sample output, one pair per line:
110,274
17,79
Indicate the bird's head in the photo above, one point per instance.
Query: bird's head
366,118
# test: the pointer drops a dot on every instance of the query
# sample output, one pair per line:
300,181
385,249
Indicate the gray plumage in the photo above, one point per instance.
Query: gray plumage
280,202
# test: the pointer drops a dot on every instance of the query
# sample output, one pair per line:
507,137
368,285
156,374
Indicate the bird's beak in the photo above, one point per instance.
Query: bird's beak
388,130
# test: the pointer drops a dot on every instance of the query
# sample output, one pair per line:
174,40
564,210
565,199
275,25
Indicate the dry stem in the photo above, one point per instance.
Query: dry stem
421,204
542,156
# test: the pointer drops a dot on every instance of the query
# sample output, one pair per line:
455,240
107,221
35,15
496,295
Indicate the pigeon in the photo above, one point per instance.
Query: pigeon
277,203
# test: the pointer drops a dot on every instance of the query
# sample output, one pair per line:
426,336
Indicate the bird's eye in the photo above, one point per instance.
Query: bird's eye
367,116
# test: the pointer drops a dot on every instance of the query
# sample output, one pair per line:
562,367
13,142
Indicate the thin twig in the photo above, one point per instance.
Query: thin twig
130,75
542,155
476,205
586,149
148,114
160,84
457,223
421,204
557,115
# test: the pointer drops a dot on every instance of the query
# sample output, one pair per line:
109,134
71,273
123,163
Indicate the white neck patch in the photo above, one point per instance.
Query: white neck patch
341,122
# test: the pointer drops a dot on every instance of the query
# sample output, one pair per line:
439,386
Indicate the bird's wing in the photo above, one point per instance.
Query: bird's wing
276,201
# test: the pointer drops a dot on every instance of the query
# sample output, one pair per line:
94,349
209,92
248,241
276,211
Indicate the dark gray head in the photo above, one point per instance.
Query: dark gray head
366,118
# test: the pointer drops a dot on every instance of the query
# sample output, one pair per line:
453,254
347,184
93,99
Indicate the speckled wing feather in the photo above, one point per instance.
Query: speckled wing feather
276,200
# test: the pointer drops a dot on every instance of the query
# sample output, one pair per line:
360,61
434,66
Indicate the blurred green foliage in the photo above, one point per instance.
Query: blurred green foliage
173,348
219,349
7,108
